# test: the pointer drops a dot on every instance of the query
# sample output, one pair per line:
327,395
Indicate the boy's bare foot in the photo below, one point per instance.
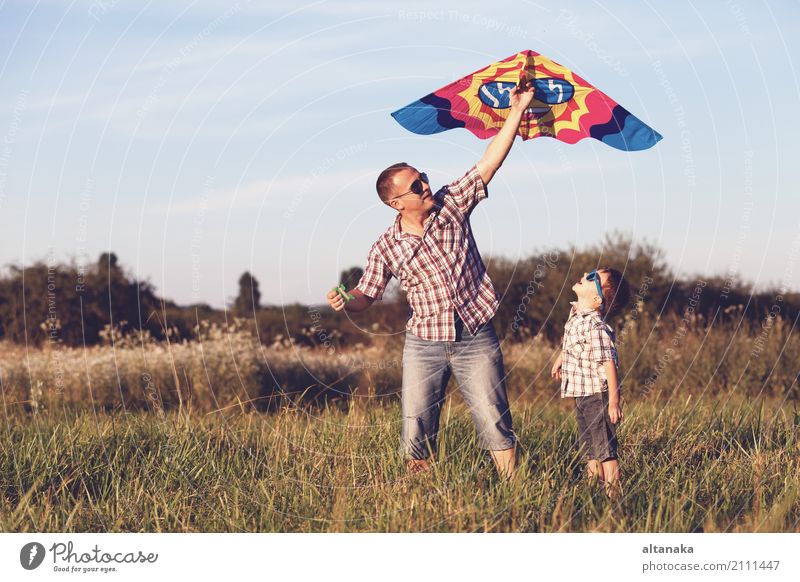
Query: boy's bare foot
613,490
594,473
611,476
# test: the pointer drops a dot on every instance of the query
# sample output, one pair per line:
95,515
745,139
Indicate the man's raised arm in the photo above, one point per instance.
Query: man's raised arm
500,145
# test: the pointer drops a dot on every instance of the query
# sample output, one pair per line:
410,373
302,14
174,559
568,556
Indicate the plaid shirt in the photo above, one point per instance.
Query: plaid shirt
441,271
588,342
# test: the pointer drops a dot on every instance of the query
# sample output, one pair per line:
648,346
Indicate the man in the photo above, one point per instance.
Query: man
431,250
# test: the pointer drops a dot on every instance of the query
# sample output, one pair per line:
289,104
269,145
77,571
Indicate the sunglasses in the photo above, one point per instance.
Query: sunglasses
595,276
417,186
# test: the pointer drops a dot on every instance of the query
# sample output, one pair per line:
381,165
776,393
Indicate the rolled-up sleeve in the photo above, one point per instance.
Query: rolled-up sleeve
467,191
376,275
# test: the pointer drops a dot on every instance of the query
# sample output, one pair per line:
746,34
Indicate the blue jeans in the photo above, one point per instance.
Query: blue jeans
477,363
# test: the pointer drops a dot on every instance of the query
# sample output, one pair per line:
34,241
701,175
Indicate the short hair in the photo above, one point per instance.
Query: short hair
384,183
616,291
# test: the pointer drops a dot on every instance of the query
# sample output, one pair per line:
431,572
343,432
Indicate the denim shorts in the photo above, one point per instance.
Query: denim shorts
477,363
598,436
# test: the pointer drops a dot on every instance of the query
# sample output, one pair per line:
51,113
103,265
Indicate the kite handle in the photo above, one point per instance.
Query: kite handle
342,291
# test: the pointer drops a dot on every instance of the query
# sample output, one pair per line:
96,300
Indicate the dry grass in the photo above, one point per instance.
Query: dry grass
687,467
226,368
224,434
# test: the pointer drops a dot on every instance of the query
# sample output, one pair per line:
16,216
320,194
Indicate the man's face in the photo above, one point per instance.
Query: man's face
587,290
404,198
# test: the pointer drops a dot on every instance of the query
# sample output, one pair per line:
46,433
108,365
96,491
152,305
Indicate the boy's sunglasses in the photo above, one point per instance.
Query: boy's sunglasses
595,276
417,186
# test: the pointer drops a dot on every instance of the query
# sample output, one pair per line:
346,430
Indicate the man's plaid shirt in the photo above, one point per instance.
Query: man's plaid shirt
440,271
588,342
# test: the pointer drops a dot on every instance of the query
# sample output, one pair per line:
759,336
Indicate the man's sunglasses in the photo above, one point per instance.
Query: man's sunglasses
595,276
417,186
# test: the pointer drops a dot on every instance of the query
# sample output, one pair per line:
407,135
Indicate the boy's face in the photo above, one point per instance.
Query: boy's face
587,290
404,198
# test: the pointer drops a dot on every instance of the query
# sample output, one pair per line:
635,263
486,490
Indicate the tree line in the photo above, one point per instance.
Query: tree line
76,305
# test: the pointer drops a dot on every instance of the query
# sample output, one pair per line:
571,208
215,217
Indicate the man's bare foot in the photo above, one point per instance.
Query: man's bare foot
415,466
505,462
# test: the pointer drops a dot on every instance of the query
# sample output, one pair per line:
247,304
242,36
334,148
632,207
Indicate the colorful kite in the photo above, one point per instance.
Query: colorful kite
564,106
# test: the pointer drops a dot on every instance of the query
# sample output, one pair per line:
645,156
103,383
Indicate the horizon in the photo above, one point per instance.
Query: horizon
738,282
200,142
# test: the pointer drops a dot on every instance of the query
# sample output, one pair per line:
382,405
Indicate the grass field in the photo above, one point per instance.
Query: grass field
715,465
224,434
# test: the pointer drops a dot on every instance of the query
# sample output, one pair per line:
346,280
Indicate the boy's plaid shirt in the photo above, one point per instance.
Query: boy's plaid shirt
588,342
440,271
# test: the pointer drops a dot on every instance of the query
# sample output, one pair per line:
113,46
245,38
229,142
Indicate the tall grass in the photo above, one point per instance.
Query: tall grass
713,466
225,434
228,367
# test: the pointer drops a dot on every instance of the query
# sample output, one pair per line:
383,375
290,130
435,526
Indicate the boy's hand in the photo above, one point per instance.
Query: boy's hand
335,300
614,412
555,372
614,406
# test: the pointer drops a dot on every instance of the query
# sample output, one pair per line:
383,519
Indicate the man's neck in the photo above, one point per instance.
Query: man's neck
413,222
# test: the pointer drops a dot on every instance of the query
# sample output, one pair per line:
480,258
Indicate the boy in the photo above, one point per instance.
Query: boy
587,368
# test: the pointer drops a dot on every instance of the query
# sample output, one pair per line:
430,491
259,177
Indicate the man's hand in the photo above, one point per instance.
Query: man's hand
335,300
359,303
523,95
498,148
555,372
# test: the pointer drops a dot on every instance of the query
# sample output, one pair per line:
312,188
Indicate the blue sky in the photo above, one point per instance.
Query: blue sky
201,140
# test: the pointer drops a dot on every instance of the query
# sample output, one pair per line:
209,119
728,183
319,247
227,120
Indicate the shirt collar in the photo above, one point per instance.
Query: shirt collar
397,233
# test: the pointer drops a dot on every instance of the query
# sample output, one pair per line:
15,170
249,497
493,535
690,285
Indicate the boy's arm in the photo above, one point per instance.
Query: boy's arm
500,145
555,372
614,408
